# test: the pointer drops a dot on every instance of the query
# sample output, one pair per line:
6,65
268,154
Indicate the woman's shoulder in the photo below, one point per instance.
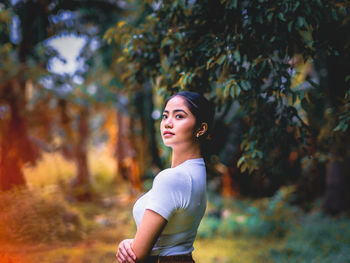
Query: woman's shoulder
173,176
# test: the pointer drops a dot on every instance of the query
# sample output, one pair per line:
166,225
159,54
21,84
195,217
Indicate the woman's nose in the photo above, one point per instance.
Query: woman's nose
168,123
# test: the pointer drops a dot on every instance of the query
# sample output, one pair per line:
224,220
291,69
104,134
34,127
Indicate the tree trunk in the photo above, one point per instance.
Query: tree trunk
143,102
334,179
11,173
338,69
16,147
120,151
149,107
126,154
81,183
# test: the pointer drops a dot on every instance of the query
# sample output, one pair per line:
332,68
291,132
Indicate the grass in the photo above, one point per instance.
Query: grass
316,238
320,238
107,225
234,250
100,244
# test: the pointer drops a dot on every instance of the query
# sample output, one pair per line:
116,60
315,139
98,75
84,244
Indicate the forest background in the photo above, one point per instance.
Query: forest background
78,147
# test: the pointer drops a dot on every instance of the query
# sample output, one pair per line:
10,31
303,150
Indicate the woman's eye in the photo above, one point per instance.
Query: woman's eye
164,116
179,116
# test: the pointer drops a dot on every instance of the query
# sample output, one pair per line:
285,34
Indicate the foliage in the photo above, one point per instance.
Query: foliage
266,217
318,238
303,237
30,217
235,50
344,116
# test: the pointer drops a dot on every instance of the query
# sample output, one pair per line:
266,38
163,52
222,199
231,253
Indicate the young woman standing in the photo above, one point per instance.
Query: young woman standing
168,216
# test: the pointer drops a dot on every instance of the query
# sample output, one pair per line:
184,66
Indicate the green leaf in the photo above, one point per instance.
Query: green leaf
165,63
209,62
301,22
235,91
296,4
237,56
281,17
253,154
222,59
269,17
166,42
244,85
341,127
240,161
178,36
234,3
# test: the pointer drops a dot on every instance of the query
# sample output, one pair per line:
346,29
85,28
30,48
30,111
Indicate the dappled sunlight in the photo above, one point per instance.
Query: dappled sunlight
52,169
233,250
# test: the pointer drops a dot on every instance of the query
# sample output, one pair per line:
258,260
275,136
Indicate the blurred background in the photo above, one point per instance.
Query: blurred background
82,86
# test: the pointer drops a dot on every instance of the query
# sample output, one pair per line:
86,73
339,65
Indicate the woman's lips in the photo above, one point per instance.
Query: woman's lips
168,134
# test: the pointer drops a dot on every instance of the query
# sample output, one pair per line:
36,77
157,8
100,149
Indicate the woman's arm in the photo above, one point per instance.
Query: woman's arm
147,234
137,249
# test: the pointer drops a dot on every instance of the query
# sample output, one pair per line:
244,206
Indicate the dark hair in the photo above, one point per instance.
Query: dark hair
202,109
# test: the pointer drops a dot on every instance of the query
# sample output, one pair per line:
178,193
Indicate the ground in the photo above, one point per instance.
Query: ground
114,223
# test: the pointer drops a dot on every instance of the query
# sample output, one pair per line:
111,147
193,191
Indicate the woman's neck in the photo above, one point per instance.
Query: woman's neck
182,154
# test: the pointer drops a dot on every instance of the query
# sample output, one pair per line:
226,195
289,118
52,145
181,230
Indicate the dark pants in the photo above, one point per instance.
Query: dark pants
170,259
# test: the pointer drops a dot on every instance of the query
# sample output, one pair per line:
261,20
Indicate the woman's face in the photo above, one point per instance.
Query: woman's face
178,123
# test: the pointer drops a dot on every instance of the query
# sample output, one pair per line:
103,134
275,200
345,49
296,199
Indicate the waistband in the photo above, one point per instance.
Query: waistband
170,259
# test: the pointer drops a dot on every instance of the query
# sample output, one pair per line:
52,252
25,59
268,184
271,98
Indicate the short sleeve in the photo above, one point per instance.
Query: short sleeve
171,190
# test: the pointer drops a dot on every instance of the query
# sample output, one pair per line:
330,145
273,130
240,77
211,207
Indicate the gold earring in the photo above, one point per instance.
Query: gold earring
197,135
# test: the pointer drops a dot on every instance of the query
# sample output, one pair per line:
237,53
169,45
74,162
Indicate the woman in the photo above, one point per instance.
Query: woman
168,216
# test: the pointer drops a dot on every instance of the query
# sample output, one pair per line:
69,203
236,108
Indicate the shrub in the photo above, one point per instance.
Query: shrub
28,216
263,217
208,227
319,238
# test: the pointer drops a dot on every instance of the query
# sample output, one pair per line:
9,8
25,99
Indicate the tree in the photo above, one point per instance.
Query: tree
242,51
25,130
17,73
88,20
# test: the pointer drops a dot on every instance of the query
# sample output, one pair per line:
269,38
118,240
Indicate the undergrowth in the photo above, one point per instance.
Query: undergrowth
302,237
250,218
317,238
37,217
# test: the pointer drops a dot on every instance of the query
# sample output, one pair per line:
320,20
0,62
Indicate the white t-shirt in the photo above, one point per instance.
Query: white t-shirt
179,195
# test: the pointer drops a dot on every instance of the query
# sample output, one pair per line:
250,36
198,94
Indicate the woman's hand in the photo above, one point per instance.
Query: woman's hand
125,254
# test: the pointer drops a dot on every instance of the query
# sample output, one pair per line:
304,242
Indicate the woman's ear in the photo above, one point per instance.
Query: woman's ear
202,129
